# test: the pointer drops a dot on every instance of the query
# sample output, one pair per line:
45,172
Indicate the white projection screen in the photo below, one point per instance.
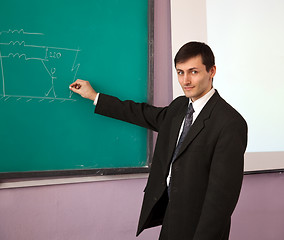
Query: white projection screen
247,38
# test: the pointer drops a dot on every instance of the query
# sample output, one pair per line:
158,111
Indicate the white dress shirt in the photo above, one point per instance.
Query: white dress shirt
96,99
197,106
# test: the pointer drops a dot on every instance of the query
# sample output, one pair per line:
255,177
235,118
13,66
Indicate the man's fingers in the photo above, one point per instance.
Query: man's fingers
74,89
83,88
76,85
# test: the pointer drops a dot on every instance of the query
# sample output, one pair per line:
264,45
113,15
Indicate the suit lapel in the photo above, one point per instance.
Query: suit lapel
174,130
199,122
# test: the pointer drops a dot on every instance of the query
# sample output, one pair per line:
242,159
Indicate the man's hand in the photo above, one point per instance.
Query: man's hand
84,89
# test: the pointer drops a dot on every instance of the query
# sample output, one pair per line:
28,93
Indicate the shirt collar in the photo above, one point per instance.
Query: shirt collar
200,102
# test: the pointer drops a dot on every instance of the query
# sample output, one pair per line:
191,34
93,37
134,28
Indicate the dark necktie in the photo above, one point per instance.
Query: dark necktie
186,126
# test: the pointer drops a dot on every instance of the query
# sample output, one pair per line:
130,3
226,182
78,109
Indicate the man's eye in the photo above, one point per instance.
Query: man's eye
194,72
179,72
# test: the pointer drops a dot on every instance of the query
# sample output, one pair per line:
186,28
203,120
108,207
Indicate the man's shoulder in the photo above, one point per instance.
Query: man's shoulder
226,111
180,100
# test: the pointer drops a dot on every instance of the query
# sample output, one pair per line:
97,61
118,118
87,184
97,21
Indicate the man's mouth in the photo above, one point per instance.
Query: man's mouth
188,88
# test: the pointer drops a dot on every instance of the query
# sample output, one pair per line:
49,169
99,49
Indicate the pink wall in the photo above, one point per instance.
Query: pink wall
260,211
86,211
110,210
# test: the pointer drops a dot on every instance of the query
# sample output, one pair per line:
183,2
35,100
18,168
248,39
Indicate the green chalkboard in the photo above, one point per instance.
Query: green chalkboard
45,46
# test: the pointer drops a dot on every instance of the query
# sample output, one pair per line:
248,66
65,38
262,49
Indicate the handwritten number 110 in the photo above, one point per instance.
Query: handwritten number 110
55,55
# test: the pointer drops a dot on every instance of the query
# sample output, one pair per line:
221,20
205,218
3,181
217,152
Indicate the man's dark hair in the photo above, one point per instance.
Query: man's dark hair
193,49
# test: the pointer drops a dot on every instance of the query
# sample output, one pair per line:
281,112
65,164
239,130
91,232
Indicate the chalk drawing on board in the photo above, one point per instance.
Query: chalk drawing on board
34,72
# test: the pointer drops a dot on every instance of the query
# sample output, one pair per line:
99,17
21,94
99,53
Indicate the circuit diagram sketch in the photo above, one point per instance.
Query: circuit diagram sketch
30,71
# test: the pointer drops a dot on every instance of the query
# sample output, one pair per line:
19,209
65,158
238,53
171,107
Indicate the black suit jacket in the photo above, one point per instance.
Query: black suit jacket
206,175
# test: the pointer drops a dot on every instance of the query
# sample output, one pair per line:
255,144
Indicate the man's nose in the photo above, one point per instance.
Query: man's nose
186,78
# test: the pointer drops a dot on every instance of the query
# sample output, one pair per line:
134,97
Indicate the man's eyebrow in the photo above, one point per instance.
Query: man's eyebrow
190,69
193,68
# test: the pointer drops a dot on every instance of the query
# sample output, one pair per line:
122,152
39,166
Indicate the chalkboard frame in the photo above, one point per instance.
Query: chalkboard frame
106,171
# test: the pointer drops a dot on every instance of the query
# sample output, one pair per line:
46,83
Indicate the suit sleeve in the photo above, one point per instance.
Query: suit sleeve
141,114
225,180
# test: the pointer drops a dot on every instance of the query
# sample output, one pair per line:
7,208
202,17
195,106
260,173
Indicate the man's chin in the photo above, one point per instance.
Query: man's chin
187,94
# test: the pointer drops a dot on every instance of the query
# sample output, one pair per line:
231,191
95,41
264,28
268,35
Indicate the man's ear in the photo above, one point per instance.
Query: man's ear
212,71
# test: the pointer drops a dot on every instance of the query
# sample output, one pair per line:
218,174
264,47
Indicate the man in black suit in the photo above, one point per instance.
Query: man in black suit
197,167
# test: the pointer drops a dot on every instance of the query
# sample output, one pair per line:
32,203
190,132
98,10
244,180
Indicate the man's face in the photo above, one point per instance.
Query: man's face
193,77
